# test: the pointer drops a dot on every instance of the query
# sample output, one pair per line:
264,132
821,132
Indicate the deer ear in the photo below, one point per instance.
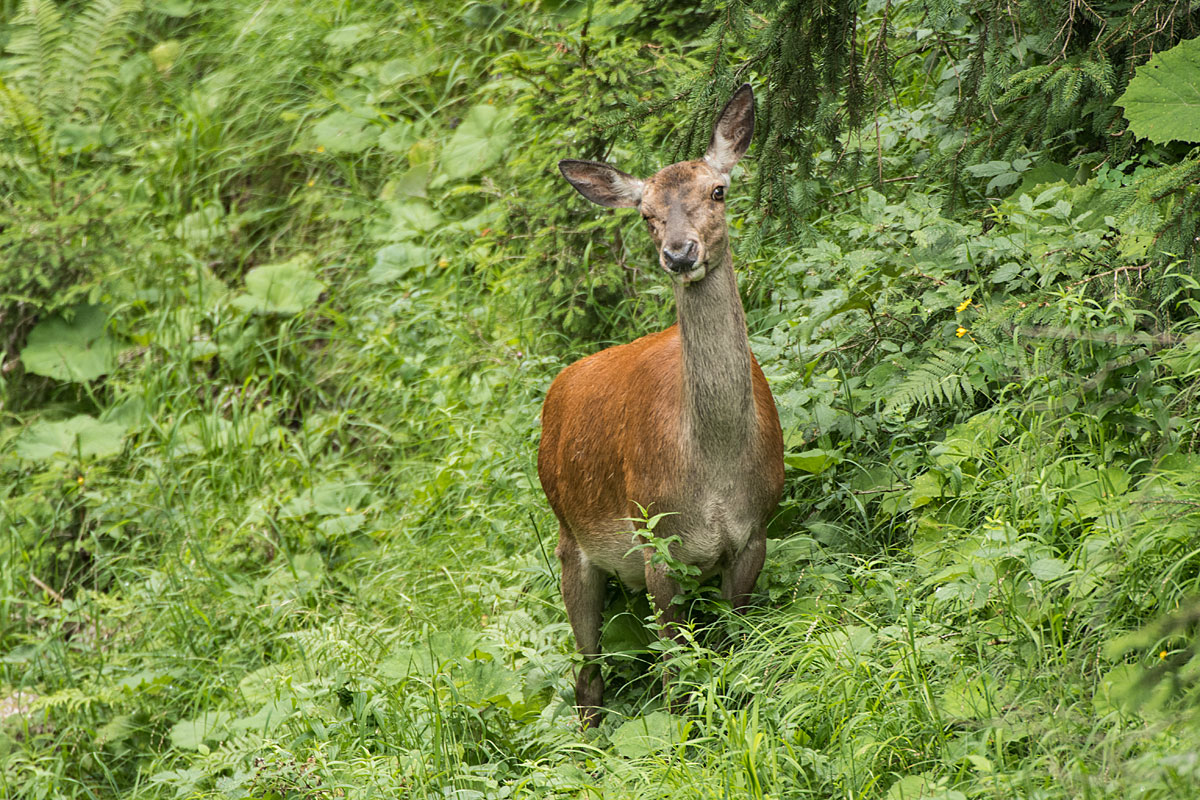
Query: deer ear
602,184
731,135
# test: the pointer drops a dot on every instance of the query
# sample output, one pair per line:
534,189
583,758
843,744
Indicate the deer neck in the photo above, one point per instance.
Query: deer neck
718,393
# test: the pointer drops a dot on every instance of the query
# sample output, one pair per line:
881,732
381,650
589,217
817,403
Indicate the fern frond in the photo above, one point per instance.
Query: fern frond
37,36
941,379
20,112
92,53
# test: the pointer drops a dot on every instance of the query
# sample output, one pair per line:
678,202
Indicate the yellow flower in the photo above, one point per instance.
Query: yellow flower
963,306
961,332
79,480
312,182
320,148
1163,655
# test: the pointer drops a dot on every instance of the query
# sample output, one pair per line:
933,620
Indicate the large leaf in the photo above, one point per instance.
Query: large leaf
478,142
80,350
395,261
286,288
645,736
342,132
189,734
82,435
1162,102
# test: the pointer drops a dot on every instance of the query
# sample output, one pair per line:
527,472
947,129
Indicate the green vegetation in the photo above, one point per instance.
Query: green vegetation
282,286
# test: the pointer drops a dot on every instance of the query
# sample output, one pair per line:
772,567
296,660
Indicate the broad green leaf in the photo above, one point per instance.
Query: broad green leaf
80,350
286,288
646,735
1162,102
413,218
344,525
1047,569
395,261
203,226
189,734
272,681
487,682
269,717
399,137
336,498
911,787
1119,690
814,461
981,697
348,35
926,488
81,435
478,142
342,132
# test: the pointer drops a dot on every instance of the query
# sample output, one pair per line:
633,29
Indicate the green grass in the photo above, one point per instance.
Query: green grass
309,556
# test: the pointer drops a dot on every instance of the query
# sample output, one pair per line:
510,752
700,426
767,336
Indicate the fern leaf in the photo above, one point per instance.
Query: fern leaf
37,36
941,379
92,52
19,111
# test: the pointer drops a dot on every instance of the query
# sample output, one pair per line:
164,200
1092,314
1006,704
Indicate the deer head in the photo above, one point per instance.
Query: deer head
683,204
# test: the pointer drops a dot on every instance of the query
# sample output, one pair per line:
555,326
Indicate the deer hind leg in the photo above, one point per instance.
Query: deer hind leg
583,595
737,582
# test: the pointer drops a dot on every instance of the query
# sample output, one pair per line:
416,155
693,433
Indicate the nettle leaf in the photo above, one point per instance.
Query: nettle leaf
1162,102
285,289
342,132
478,142
82,435
80,350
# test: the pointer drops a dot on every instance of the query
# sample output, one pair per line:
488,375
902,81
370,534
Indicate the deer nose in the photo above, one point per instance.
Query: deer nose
682,258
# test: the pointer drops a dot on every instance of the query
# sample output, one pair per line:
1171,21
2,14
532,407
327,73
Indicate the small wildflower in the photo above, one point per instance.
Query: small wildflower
349,510
963,306
1162,656
79,480
961,332
443,263
320,148
312,182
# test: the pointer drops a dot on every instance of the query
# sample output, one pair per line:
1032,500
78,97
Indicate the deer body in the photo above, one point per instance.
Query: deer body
680,422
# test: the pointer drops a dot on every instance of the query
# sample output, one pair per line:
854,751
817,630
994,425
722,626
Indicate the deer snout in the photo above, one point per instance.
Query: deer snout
681,258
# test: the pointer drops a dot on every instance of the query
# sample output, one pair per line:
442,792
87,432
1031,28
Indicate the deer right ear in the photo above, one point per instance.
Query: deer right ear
602,184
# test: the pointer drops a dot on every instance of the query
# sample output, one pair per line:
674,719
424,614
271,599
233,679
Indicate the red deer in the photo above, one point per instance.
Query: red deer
680,422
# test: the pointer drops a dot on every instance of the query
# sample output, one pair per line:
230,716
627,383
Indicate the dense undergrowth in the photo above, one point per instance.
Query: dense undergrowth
283,286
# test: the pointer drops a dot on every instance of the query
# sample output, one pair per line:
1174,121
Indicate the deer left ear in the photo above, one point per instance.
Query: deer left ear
733,131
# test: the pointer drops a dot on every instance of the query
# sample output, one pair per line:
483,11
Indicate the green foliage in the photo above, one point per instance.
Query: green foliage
1162,102
269,522
80,350
59,216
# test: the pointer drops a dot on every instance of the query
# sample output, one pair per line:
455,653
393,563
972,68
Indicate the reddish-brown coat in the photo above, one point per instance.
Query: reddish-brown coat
611,439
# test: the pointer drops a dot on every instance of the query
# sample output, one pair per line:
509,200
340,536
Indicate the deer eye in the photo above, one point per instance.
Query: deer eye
718,193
